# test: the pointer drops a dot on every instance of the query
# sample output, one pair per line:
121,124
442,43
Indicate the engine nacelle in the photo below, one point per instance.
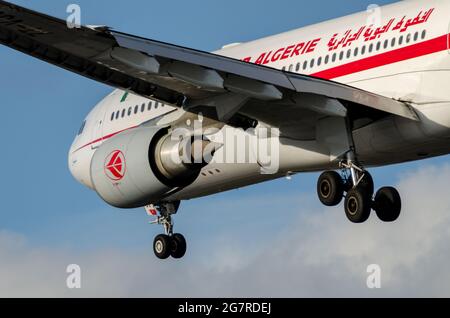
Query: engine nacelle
136,168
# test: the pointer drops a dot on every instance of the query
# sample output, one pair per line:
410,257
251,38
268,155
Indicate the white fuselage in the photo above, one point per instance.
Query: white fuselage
399,51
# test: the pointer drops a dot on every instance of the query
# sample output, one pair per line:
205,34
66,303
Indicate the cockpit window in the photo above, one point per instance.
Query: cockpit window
82,128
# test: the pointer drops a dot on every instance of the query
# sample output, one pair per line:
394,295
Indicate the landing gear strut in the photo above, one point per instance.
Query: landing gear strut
358,185
168,244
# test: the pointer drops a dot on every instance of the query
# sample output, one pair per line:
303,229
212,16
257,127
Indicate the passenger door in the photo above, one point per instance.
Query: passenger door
97,131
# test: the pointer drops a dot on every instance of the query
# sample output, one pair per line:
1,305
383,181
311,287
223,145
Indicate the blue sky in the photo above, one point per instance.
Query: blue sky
43,107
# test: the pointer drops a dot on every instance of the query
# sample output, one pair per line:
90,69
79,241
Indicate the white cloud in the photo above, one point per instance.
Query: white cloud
321,254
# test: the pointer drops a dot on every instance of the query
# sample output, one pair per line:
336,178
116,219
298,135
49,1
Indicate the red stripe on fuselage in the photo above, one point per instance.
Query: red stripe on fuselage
406,53
104,138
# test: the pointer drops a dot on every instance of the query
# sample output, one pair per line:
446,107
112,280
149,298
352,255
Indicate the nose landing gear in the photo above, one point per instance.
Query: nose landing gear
168,244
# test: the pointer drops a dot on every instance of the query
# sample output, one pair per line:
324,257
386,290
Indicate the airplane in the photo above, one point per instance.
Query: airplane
339,97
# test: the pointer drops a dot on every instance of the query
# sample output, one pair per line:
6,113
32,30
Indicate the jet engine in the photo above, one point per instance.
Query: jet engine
143,165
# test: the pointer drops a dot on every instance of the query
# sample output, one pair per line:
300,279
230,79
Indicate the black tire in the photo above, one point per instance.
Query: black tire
161,246
367,184
357,205
178,246
330,188
388,204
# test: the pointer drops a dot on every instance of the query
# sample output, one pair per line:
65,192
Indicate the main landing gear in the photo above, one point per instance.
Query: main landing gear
168,244
358,187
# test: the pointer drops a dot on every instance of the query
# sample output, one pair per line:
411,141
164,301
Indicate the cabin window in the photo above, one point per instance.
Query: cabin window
408,38
283,68
363,50
291,67
370,48
319,61
305,65
312,63
334,57
112,116
327,59
117,114
424,34
416,36
393,42
386,44
378,46
130,110
341,56
400,40
349,53
356,52
297,68
142,108
156,105
150,105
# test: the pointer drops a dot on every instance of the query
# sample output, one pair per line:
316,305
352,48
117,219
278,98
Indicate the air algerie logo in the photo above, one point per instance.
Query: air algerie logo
115,166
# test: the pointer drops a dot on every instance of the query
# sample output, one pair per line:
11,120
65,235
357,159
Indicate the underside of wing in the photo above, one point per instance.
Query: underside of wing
220,87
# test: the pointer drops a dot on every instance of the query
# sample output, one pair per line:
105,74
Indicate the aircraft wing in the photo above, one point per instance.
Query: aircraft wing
222,87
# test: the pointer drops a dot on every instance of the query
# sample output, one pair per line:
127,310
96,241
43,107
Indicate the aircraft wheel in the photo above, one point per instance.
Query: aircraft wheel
178,246
388,204
330,188
357,205
367,184
162,246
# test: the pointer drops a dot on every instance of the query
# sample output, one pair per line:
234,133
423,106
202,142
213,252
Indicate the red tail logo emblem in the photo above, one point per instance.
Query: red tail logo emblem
115,166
